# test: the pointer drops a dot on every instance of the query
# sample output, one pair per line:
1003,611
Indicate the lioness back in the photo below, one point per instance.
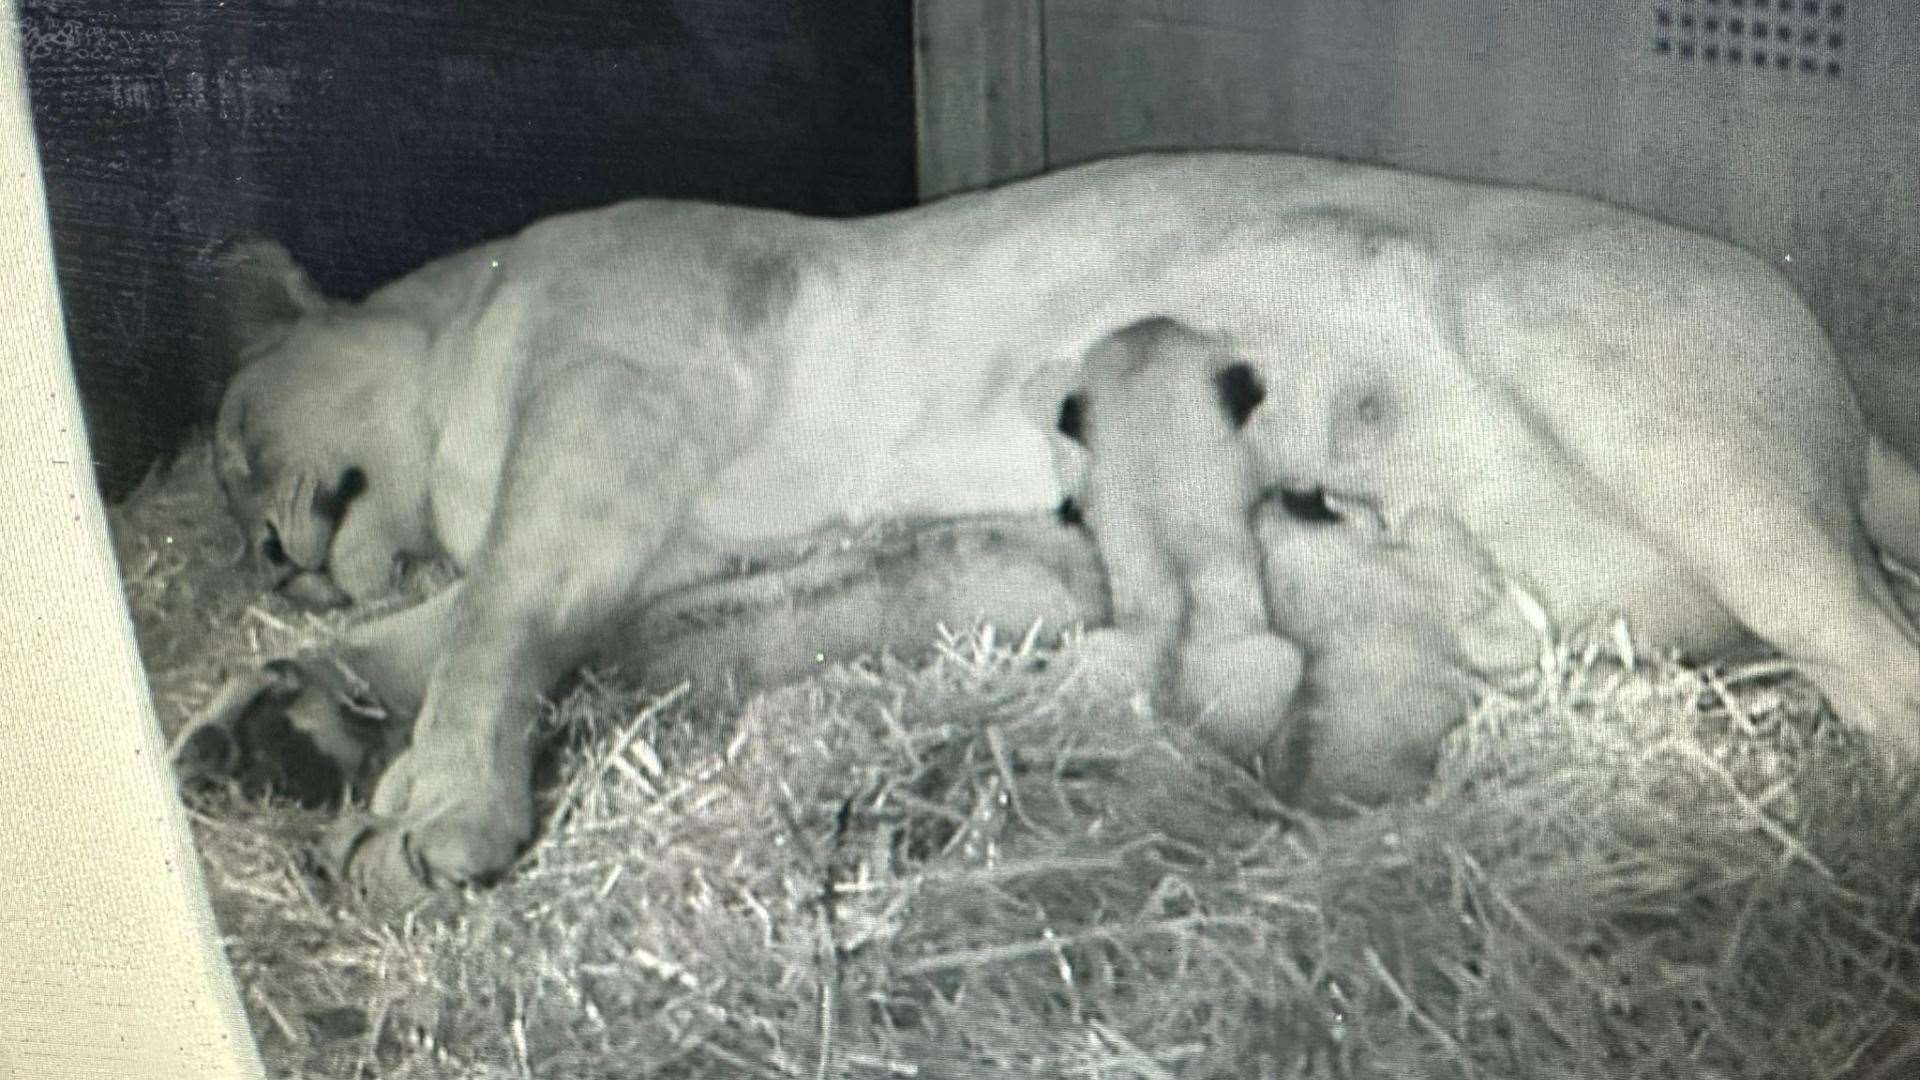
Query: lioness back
912,364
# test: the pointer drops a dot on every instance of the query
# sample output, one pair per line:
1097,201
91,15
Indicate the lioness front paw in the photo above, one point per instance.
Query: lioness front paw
428,832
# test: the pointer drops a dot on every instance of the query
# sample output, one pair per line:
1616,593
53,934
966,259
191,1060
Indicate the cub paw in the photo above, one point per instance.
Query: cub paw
1240,690
1125,661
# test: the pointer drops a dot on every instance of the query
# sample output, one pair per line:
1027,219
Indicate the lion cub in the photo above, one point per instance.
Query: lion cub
1316,644
1402,628
1168,495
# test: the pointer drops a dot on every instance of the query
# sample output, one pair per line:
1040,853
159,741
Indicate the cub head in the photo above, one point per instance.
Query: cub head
297,420
1232,391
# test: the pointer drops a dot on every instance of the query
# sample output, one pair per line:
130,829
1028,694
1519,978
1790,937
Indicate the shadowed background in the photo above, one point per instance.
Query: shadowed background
372,135
1791,127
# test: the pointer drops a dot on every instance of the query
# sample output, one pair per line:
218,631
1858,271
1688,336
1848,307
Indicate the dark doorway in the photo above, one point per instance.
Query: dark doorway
371,135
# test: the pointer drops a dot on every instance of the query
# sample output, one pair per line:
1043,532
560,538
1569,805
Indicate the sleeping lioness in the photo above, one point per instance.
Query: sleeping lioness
617,404
1193,555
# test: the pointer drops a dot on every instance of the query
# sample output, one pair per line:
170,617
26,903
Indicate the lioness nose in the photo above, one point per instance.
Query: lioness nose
313,589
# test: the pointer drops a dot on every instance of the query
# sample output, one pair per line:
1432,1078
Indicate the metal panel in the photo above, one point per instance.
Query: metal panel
978,65
1815,165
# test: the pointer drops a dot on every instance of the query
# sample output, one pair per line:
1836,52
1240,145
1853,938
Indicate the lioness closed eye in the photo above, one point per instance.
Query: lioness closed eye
617,404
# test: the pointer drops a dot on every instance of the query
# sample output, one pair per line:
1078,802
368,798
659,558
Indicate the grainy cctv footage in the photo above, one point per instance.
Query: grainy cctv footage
1127,560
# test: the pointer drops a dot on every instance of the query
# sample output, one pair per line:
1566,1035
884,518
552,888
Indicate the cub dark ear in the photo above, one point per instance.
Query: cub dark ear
1072,421
259,293
1240,392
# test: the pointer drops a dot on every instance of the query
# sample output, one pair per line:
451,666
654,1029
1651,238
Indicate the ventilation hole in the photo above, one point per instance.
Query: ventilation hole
1833,69
1685,31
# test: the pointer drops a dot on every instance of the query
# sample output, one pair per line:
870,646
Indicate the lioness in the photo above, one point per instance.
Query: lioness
1195,553
616,404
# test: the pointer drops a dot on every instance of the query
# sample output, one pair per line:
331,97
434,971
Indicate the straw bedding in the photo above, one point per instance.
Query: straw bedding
978,866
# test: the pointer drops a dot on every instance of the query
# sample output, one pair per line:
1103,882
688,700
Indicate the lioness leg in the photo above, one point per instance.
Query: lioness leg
1778,540
1752,466
574,543
1891,508
394,654
1788,557
1815,591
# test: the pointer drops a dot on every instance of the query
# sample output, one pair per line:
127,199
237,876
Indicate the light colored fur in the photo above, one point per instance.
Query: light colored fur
1170,489
1331,656
614,405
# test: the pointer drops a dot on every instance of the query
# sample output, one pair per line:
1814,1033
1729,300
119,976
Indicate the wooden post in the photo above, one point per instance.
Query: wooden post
111,963
980,92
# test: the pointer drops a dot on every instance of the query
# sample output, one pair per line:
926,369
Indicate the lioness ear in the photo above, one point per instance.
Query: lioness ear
261,292
231,467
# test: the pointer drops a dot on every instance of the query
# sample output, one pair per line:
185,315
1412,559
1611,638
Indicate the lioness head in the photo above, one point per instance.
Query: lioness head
304,429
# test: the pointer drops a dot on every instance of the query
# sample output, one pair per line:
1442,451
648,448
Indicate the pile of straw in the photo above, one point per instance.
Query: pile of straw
981,866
